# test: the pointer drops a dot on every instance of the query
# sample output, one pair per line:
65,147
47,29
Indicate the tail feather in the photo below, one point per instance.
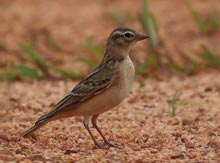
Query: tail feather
39,123
30,131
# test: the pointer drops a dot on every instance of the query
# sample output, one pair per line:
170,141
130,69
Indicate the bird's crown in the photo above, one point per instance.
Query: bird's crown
124,36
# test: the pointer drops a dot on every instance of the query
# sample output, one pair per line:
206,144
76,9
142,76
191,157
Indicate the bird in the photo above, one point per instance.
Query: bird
102,90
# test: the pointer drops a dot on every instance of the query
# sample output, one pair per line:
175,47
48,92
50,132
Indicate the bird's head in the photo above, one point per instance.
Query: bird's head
124,38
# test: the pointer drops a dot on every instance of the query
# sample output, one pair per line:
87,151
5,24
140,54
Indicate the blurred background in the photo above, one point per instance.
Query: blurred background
66,39
172,113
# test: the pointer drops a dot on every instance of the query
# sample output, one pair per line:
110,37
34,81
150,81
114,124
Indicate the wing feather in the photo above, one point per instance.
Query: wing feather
97,82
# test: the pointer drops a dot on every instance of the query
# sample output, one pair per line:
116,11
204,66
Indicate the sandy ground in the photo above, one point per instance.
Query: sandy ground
142,125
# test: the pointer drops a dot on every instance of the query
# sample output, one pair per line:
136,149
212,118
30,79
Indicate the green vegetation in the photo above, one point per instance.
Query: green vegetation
39,65
9,74
211,58
94,48
25,71
189,68
173,104
33,56
141,68
198,20
50,40
148,22
67,73
158,55
88,62
20,72
209,24
156,50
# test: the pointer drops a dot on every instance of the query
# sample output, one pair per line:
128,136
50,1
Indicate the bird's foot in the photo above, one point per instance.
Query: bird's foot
106,145
99,146
112,145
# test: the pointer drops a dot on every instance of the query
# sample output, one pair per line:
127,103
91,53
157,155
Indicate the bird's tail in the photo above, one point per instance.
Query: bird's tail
31,131
39,123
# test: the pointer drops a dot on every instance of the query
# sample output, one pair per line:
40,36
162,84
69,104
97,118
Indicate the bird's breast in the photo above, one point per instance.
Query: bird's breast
126,75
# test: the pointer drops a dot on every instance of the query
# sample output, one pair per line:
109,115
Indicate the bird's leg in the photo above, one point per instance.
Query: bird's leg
94,123
86,124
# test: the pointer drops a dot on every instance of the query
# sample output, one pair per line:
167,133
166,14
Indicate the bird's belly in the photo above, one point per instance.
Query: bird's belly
102,102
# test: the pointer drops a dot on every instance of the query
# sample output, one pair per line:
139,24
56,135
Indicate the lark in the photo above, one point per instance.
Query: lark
105,88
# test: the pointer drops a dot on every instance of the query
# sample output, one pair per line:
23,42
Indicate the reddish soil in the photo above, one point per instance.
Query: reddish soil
143,124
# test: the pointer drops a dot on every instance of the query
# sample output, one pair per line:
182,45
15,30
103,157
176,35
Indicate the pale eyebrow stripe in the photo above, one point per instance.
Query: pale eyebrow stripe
117,33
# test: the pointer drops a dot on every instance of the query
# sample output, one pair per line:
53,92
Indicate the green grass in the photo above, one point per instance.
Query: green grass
213,21
33,56
51,41
174,105
149,24
210,23
39,65
9,74
156,50
88,62
20,72
189,68
210,57
67,73
25,71
94,48
157,54
141,67
198,20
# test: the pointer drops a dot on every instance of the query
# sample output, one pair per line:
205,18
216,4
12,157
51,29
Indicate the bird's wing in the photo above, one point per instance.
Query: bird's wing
97,82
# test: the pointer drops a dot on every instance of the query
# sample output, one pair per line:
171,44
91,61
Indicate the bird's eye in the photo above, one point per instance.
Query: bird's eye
128,34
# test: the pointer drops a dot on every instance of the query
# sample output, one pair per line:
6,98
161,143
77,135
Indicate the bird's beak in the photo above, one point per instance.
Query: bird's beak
142,36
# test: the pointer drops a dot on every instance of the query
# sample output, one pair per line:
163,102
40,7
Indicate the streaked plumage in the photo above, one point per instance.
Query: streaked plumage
106,87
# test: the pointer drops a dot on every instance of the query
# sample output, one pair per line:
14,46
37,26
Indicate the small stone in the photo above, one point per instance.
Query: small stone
68,151
208,89
178,155
214,144
189,145
186,122
212,133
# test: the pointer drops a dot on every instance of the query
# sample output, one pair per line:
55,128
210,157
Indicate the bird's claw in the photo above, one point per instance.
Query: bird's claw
112,145
106,145
99,146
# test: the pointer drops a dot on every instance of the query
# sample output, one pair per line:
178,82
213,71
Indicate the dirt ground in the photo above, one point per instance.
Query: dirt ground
143,124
